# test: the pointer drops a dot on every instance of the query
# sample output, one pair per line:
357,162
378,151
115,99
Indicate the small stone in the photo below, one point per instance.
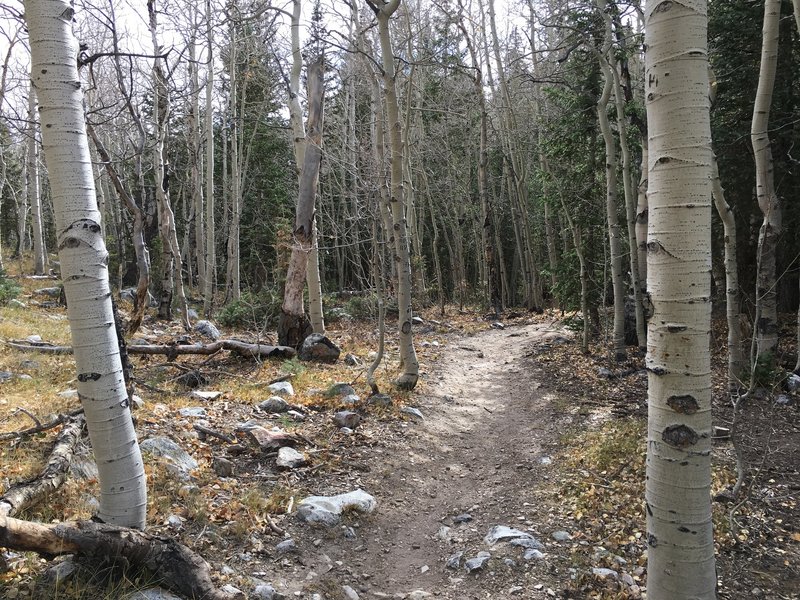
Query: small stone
415,320
605,573
16,303
175,522
545,460
454,560
793,382
509,562
349,533
462,518
60,572
316,347
783,400
192,411
516,589
477,563
281,388
296,415
137,402
286,546
351,360
347,418
532,554
222,466
340,389
627,580
346,431
326,510
756,592
561,536
68,393
444,533
349,593
265,591
200,395
274,404
350,400
502,533
170,451
603,372
418,595
498,325
383,400
289,458
410,410
7,376
207,329
234,592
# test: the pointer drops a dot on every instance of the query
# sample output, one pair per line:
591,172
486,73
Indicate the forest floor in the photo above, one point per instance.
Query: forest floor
519,429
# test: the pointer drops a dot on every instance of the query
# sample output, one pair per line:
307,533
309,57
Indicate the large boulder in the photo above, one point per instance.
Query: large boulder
319,348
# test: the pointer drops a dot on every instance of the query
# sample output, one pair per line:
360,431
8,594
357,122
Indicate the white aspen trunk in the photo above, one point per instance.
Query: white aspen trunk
196,161
232,271
34,195
314,283
210,245
614,242
680,553
641,215
736,362
766,322
409,364
83,256
796,5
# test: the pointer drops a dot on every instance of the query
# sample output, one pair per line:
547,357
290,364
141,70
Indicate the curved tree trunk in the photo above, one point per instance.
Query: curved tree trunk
617,282
680,554
766,322
409,365
101,386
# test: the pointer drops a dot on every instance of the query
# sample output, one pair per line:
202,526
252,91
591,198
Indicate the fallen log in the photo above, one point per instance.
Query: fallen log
22,495
173,350
180,569
63,418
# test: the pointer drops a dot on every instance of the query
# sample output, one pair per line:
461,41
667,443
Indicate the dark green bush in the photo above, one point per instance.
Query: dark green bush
252,310
8,289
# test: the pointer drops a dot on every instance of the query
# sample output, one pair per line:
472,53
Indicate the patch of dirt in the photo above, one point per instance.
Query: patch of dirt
482,450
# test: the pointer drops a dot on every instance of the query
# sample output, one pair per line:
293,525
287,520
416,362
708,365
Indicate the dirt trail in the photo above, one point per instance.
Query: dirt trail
481,449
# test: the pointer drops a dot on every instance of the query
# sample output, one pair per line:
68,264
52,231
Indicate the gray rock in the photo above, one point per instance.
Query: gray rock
192,411
444,533
28,365
289,458
501,533
34,339
498,325
326,510
71,393
417,320
205,395
605,573
528,542
234,592
83,468
462,518
274,404
454,560
16,303
350,400
346,430
349,533
6,375
561,536
296,415
349,593
175,522
383,400
23,376
286,546
222,466
155,593
265,591
192,314
414,412
509,562
533,554
207,329
347,418
793,382
60,572
170,451
603,372
340,389
318,348
783,400
50,292
515,589
545,460
281,388
351,360
477,563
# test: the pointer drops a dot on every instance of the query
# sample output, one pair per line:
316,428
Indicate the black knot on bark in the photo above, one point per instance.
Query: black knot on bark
680,436
685,404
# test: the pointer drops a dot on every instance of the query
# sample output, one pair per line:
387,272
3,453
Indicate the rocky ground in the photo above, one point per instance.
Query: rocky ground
515,470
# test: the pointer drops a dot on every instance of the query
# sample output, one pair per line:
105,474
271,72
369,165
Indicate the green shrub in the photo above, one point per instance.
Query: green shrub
252,310
8,289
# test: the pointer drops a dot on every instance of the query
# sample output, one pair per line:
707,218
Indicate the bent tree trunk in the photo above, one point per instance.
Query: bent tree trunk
84,259
766,322
409,365
293,324
680,554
